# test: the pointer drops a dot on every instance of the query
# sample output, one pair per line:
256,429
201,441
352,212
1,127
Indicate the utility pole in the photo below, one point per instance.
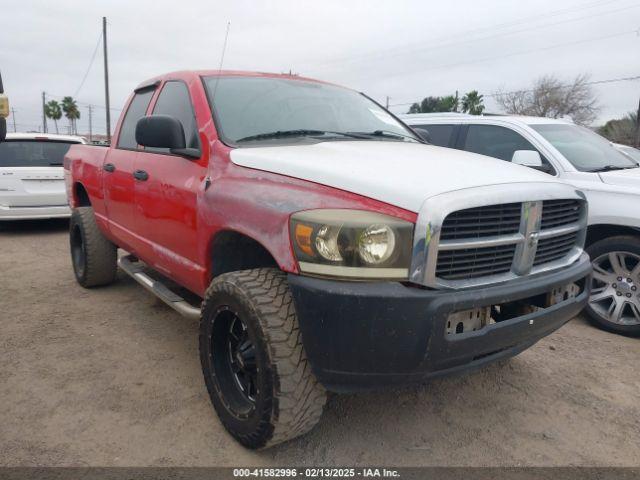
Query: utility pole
44,116
106,77
638,126
387,104
90,125
13,116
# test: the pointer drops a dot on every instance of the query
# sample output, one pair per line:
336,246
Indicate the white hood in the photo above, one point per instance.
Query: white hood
622,178
400,174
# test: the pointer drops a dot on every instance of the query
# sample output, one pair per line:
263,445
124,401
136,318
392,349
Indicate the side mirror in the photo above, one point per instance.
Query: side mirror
531,159
164,131
424,134
527,158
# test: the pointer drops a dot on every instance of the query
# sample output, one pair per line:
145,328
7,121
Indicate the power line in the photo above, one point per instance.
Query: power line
524,52
93,56
84,104
421,46
463,42
595,82
553,13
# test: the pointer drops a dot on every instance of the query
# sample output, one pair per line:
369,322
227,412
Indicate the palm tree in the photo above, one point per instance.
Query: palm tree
449,103
472,103
53,111
70,108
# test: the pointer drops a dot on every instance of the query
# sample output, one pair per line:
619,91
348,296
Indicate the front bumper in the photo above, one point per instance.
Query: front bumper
369,335
34,213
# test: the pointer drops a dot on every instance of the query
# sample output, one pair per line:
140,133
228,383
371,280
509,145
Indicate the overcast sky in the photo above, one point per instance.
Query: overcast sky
402,49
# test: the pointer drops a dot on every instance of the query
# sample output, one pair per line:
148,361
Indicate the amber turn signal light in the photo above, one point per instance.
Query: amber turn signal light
4,106
303,238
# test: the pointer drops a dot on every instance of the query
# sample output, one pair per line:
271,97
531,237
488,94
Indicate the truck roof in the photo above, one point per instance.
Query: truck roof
448,116
223,73
46,136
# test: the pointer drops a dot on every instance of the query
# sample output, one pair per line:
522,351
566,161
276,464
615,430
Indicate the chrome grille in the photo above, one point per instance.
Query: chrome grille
474,262
482,222
508,240
554,248
556,213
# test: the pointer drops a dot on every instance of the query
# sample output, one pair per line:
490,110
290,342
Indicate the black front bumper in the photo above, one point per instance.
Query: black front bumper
368,335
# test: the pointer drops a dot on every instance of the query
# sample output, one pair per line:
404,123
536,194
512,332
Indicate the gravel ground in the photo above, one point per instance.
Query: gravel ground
111,377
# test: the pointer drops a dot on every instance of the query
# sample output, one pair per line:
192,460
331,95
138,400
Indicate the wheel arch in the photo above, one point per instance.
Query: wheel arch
231,250
603,230
80,196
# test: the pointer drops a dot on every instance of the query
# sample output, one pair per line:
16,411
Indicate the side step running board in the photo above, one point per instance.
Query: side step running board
134,269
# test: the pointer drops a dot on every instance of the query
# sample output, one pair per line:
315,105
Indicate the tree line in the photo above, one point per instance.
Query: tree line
547,97
471,103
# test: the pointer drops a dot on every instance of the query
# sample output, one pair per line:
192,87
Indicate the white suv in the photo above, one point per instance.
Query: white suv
610,180
31,176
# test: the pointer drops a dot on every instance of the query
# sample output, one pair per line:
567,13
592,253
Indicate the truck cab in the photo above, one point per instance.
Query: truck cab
321,244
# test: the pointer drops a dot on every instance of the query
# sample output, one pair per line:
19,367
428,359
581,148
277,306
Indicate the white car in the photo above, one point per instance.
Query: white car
609,178
31,176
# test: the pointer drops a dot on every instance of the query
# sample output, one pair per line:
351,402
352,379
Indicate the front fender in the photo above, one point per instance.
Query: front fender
614,208
259,205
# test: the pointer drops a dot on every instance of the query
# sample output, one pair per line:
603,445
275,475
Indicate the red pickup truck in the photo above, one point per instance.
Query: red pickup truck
320,242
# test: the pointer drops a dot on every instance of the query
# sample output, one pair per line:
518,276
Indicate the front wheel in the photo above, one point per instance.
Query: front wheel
614,304
255,368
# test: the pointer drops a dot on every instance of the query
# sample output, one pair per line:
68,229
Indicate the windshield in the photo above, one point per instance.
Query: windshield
32,153
586,150
284,111
632,152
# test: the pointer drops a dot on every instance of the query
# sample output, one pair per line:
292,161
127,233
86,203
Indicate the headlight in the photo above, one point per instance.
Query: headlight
352,243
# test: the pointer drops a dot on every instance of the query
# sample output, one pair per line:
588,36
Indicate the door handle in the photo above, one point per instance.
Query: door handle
109,167
141,175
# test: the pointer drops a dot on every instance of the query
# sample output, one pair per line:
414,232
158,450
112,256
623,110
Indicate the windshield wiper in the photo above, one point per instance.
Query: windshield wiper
609,168
385,134
296,133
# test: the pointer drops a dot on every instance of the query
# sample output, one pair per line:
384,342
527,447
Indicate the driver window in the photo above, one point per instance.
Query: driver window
174,100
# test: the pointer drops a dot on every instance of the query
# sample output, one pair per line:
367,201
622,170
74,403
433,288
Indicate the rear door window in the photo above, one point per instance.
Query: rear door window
136,111
32,153
440,135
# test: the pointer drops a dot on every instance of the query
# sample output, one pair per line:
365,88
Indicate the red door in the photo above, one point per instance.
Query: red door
118,170
166,194
166,211
119,190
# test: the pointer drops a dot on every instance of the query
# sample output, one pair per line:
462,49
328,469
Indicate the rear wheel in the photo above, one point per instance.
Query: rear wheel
614,304
93,256
254,364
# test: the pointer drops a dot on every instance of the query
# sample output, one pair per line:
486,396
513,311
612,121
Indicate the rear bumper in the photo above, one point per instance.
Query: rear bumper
33,213
369,335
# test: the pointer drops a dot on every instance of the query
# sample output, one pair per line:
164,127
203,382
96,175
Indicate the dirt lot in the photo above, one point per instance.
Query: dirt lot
111,377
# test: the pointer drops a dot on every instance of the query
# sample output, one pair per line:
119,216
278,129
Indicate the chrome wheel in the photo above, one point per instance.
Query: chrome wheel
615,287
